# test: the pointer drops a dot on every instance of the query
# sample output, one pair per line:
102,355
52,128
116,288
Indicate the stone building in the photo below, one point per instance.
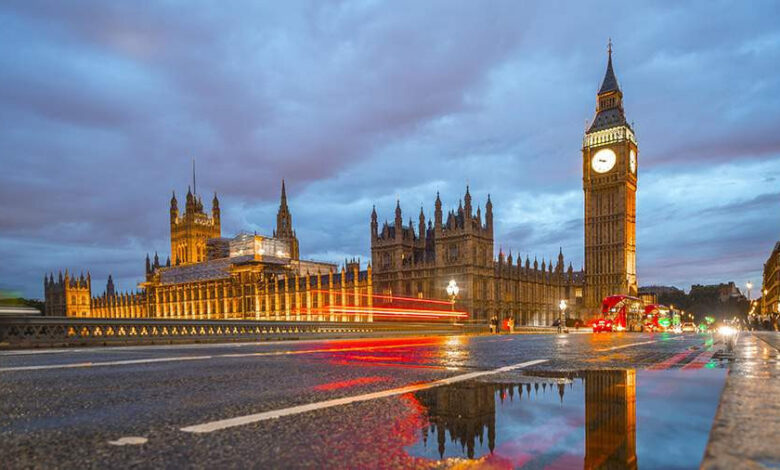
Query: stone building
191,230
420,262
770,287
67,295
246,277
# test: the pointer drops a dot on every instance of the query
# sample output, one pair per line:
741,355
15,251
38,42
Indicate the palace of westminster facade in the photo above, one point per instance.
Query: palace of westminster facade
257,277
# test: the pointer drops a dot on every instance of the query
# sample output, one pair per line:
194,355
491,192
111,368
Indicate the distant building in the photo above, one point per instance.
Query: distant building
770,286
420,261
660,290
724,292
249,276
67,296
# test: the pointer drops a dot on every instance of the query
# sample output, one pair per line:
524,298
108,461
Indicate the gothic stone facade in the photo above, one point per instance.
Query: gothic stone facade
247,277
421,262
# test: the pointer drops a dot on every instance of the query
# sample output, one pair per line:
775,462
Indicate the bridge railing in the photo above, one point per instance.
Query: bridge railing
60,331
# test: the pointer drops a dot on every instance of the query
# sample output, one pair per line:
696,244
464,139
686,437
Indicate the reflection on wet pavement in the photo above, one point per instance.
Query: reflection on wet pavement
611,418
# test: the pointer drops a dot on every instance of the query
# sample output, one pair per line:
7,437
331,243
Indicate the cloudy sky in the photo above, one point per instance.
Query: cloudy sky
103,106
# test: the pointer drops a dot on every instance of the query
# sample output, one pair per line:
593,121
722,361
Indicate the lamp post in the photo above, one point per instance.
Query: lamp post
562,306
452,291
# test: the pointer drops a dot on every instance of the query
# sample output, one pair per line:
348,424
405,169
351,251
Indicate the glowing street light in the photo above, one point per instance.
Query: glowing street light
452,291
562,306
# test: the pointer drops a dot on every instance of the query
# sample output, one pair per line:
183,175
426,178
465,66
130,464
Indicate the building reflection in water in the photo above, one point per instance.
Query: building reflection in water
466,412
610,419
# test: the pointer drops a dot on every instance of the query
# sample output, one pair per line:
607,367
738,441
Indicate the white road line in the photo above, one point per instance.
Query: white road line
27,352
215,356
107,363
273,414
626,346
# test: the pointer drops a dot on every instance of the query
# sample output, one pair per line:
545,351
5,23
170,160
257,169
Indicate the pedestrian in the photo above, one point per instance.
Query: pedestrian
511,324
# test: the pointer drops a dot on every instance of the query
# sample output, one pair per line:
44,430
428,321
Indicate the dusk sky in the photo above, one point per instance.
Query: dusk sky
103,106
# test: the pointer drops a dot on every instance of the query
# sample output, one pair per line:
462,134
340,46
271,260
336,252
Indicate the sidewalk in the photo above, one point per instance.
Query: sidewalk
745,432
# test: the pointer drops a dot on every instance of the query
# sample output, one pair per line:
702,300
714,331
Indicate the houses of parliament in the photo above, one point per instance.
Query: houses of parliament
252,276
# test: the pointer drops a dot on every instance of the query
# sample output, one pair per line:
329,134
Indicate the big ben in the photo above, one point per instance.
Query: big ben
609,180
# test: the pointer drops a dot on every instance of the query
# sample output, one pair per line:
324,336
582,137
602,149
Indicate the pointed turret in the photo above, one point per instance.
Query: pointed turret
437,215
421,219
215,212
174,207
190,205
398,219
489,214
467,202
559,266
374,224
110,291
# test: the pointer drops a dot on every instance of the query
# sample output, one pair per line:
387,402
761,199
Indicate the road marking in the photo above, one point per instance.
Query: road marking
274,414
107,363
699,361
27,352
129,441
215,356
679,357
626,345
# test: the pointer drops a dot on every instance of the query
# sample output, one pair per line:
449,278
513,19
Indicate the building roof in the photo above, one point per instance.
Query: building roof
608,118
610,82
210,270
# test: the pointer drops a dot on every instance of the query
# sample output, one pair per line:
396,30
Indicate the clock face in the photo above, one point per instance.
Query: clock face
632,161
603,161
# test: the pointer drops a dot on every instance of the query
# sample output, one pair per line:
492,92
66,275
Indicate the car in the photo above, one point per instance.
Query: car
602,325
688,327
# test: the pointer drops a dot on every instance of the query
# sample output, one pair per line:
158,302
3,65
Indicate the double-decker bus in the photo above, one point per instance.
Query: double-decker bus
619,313
657,317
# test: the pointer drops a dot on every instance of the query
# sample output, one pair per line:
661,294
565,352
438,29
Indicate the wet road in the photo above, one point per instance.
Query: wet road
425,402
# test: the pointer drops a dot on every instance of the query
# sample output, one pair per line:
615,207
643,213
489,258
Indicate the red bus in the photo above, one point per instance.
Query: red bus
657,317
619,313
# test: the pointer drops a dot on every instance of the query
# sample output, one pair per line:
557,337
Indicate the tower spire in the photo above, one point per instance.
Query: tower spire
194,187
610,82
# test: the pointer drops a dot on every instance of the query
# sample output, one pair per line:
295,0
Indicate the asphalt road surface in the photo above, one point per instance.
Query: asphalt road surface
307,404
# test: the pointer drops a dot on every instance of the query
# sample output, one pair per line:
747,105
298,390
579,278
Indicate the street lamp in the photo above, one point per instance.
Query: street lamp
562,306
452,291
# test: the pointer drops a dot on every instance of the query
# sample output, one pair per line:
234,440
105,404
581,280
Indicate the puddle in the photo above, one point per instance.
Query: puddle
617,418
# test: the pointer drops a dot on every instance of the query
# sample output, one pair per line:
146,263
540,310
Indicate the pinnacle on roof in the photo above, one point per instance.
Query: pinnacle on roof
610,82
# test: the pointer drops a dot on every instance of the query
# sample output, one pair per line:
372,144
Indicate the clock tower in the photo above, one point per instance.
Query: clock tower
609,180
